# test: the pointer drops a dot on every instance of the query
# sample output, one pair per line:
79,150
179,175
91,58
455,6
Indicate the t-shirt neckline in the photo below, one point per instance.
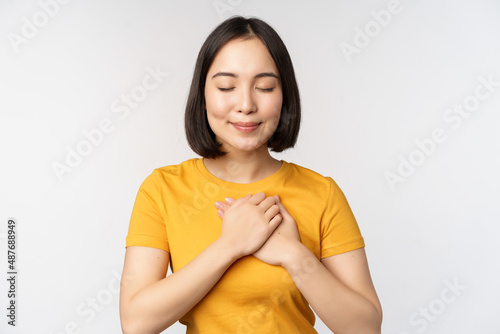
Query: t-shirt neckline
258,186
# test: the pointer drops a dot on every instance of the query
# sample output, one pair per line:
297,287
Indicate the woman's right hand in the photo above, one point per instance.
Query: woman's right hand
249,222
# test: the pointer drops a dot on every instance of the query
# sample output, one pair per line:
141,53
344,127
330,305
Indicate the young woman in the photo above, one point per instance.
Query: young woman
253,242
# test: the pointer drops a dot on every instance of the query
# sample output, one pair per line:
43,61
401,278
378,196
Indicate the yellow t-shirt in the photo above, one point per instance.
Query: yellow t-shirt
174,211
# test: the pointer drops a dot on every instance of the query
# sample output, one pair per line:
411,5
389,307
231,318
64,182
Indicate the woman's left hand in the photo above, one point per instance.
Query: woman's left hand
279,246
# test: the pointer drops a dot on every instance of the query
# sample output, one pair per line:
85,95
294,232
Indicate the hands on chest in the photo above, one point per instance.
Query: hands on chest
259,225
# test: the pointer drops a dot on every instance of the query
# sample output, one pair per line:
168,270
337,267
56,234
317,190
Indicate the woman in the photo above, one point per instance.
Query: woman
253,242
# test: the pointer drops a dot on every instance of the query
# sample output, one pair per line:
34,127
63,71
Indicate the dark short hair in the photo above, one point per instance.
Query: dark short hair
200,136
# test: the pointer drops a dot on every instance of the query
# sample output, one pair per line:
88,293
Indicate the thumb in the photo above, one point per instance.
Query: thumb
284,212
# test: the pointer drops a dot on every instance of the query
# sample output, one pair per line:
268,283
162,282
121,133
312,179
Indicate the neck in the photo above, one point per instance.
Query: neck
243,167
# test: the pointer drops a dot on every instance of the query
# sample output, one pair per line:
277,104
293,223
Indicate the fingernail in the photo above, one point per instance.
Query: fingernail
218,205
277,198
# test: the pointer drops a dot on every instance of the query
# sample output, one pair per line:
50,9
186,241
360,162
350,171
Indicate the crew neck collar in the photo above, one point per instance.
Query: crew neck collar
268,182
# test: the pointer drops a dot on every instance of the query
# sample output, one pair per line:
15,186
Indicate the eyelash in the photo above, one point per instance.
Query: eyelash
267,90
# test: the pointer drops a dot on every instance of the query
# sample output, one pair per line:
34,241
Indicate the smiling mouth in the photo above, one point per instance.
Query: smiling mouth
245,126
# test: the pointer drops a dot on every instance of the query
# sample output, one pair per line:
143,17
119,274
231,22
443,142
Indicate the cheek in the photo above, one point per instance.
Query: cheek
216,107
274,108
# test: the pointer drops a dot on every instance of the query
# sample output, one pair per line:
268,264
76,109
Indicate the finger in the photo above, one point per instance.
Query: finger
267,203
239,201
275,222
221,206
257,198
284,211
271,212
229,200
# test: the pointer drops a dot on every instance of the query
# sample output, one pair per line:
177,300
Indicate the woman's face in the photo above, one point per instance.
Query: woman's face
243,95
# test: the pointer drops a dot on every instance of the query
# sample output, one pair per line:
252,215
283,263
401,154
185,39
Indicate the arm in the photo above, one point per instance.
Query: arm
339,289
151,302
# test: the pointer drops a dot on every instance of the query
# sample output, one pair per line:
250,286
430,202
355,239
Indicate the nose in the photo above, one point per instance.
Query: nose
247,102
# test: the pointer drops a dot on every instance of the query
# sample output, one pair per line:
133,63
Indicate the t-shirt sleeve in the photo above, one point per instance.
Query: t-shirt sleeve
147,226
339,230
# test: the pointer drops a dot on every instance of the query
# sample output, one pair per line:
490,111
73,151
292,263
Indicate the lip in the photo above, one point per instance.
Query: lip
245,126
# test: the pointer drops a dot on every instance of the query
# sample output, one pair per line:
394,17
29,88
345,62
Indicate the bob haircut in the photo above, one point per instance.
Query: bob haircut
200,136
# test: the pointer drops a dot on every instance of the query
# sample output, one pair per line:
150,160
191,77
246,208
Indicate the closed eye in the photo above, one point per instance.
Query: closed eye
223,89
266,89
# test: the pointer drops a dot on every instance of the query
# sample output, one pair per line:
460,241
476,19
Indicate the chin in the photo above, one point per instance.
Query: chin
248,147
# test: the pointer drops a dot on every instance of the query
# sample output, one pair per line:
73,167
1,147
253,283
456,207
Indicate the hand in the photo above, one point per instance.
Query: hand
278,247
249,222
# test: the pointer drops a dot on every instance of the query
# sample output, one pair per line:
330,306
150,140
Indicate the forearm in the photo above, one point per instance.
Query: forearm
162,303
342,309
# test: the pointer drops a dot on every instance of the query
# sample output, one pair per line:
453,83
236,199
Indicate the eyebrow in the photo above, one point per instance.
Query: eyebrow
233,75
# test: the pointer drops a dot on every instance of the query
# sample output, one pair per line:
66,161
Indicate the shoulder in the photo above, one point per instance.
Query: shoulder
311,178
184,167
170,174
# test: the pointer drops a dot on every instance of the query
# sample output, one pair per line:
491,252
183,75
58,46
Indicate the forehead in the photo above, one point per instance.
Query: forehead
243,56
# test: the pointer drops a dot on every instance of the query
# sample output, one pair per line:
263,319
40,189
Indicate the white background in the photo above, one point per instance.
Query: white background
362,113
